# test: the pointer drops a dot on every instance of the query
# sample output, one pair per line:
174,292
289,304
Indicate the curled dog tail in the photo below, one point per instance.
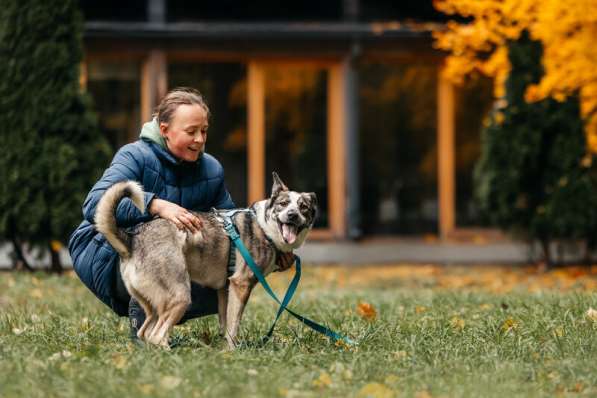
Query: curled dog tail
105,220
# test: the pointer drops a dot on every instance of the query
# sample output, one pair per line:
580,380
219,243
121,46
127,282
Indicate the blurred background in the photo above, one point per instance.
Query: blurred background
358,101
342,96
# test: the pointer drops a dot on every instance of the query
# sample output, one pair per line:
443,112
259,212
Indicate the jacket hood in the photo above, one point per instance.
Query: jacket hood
151,132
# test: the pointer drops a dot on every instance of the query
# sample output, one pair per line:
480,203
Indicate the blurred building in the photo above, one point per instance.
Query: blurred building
341,97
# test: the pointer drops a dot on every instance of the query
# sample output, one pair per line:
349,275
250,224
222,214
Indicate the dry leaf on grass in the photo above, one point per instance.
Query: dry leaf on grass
119,361
375,390
170,382
509,324
592,314
457,323
324,380
366,311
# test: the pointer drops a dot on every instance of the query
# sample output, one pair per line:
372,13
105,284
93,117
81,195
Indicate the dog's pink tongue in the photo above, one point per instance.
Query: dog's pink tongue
289,233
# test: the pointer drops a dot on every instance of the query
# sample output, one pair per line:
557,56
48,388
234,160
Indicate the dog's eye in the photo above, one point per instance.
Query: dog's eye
303,207
283,203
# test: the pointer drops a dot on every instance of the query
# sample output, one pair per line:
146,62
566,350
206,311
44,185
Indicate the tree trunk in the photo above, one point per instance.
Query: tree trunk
588,257
56,265
21,262
546,254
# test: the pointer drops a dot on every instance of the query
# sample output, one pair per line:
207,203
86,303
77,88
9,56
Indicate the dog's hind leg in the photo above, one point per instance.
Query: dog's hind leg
168,319
150,318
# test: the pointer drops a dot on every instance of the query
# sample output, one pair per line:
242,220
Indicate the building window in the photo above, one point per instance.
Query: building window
296,130
391,10
115,89
398,144
114,10
224,87
253,11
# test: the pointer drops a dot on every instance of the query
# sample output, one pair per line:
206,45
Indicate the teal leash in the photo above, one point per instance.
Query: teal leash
232,232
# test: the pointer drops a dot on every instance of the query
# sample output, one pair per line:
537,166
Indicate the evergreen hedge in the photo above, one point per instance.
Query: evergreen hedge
52,149
535,176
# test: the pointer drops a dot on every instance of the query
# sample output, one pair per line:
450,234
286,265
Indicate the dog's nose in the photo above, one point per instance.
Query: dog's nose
292,215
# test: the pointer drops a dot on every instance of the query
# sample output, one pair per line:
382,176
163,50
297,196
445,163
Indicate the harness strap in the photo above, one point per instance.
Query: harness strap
232,232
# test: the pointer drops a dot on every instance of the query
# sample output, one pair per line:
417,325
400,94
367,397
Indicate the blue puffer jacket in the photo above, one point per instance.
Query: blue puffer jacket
197,186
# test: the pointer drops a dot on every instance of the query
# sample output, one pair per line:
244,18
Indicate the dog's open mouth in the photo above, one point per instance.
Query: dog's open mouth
289,232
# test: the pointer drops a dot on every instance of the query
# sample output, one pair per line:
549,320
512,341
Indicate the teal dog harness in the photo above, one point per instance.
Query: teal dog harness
230,228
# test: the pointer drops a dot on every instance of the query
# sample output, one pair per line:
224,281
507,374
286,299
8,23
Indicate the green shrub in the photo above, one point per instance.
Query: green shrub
52,149
535,177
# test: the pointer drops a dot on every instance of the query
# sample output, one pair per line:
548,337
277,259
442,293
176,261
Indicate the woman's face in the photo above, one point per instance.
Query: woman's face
186,133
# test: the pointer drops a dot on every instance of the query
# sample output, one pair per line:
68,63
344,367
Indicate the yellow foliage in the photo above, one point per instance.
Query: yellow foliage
567,31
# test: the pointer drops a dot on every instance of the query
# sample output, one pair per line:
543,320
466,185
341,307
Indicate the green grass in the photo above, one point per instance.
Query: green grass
57,340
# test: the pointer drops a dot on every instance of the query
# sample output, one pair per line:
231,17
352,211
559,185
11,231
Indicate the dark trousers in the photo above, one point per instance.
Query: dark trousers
204,301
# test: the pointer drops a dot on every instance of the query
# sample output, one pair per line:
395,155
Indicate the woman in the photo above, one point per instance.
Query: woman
176,174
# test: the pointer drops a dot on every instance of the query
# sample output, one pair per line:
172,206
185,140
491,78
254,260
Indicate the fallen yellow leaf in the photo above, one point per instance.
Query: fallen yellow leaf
457,323
375,390
146,388
170,382
324,380
592,314
391,379
509,324
119,361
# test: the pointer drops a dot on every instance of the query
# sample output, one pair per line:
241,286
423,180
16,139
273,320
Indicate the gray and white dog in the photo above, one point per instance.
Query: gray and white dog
159,261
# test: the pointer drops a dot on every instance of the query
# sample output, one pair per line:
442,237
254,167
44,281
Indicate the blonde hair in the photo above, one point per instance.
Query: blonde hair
175,98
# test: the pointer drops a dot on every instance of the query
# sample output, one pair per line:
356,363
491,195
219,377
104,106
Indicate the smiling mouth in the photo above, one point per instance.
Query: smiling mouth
288,231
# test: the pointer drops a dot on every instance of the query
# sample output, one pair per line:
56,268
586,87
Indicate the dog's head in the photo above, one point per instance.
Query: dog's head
290,215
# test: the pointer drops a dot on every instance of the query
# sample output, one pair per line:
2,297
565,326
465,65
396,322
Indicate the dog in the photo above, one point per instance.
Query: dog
159,261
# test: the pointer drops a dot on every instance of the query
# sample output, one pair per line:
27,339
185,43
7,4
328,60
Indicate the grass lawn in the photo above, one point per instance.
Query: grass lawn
423,331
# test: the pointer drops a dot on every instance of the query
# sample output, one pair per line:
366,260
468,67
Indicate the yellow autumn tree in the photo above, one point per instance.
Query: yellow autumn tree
566,29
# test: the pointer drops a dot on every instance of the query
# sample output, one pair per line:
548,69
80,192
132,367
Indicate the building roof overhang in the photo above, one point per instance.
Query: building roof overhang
261,31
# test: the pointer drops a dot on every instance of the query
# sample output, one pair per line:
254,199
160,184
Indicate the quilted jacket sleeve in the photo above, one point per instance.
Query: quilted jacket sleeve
223,199
126,165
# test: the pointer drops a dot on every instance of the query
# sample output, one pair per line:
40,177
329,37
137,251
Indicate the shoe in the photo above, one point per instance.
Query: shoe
136,318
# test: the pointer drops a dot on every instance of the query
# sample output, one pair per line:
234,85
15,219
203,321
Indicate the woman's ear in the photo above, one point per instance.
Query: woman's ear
164,129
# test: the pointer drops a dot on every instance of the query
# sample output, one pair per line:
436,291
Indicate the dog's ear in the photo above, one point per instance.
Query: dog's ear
314,205
313,199
278,185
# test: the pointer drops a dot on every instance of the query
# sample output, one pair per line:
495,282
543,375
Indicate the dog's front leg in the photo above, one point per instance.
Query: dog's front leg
240,290
222,308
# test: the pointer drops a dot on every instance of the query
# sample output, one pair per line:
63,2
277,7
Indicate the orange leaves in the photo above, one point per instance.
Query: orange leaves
366,311
495,279
567,31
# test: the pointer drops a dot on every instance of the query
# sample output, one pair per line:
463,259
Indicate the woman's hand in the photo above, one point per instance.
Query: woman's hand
180,216
284,261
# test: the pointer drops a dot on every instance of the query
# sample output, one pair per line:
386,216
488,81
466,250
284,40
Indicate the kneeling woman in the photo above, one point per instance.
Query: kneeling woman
170,162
